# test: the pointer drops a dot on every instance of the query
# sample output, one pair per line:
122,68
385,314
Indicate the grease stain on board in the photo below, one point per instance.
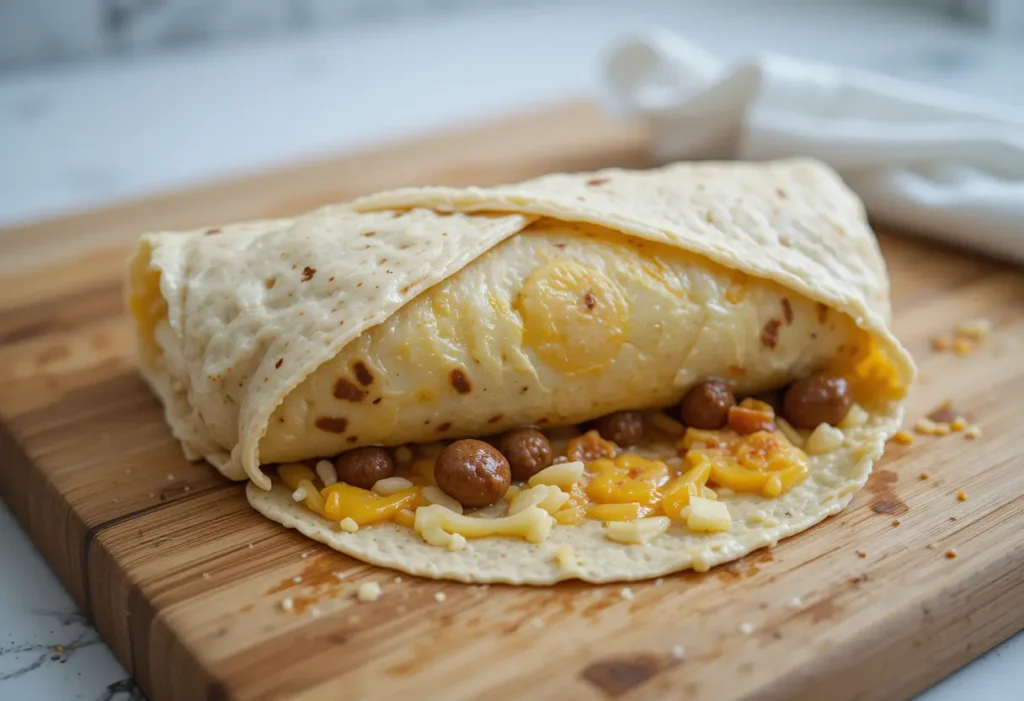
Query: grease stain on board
884,500
616,676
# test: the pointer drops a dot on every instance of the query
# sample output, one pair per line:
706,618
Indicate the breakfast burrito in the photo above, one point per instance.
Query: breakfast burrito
604,376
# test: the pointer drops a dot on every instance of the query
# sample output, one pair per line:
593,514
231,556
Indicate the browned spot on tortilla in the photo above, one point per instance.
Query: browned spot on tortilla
495,419
784,241
377,400
270,282
459,381
589,301
368,234
332,424
444,427
543,421
362,373
597,181
277,365
352,439
308,273
212,232
781,193
616,676
770,333
737,370
559,245
822,313
886,501
787,311
345,389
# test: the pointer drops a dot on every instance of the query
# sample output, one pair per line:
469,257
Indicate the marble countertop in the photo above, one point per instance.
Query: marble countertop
84,136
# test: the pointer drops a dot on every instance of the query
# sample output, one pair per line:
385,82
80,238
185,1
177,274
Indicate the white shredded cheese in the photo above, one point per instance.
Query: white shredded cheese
678,652
300,494
391,485
326,472
975,329
440,596
707,516
368,591
287,604
855,417
349,525
434,495
627,594
795,603
791,434
563,475
637,532
297,579
824,439
746,628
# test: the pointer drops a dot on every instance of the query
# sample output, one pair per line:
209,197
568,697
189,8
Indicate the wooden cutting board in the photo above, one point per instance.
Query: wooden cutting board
185,581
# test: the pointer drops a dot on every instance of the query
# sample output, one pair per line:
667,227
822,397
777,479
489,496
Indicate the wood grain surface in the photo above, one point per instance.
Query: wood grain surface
185,581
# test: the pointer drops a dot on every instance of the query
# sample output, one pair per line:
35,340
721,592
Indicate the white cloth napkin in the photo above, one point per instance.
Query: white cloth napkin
945,165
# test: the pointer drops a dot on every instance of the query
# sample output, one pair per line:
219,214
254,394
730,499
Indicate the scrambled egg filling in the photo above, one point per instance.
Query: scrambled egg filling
637,497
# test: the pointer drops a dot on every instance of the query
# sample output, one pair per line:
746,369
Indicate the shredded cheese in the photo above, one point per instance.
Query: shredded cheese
326,472
391,485
434,495
637,532
707,516
563,475
438,525
855,417
823,440
348,524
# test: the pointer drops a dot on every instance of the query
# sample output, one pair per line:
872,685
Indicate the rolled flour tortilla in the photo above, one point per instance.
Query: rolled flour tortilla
437,313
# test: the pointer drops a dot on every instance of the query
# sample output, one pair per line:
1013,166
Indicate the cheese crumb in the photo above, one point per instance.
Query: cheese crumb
795,603
537,622
565,556
940,344
973,432
975,329
287,604
746,628
961,495
637,532
902,438
659,581
297,579
627,594
925,427
326,472
348,525
958,424
962,347
440,596
941,428
677,652
299,494
398,580
368,591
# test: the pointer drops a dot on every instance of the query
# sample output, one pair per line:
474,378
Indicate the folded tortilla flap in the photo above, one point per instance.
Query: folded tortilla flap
432,313
793,221
230,319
